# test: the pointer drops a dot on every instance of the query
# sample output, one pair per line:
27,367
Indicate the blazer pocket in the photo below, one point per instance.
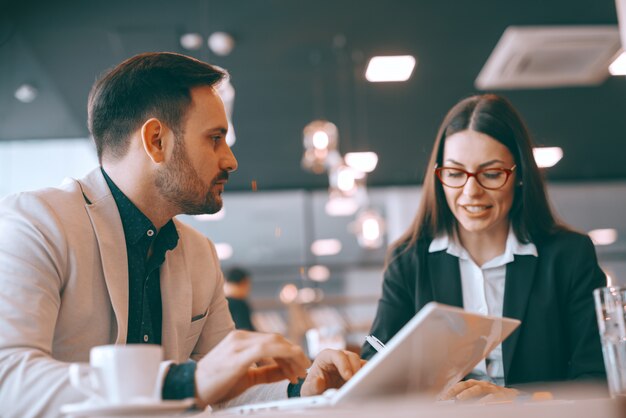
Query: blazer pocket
197,322
199,317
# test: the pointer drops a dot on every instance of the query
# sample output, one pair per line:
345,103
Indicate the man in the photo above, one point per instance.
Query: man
101,260
237,288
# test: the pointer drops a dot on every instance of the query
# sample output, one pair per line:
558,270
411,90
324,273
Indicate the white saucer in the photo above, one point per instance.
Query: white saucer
93,409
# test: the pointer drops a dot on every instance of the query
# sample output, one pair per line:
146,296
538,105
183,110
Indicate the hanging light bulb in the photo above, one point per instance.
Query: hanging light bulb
191,41
320,140
347,191
320,146
369,228
26,93
221,43
345,180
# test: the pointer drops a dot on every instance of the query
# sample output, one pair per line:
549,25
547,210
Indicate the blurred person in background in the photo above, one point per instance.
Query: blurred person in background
485,238
237,286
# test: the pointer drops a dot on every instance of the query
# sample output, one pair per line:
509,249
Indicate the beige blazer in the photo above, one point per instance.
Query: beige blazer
64,289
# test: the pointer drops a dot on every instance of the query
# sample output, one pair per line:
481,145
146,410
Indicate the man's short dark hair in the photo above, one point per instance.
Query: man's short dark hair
237,275
156,84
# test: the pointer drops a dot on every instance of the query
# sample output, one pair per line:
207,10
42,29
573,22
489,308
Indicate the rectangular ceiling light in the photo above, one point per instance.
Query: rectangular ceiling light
618,67
547,156
390,68
322,247
603,236
362,161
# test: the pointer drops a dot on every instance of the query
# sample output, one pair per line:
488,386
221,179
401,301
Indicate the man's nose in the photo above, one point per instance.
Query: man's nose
228,162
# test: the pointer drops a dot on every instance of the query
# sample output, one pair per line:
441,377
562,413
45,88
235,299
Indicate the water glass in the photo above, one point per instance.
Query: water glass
610,305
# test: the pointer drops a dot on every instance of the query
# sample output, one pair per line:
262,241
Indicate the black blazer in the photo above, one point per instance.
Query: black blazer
551,294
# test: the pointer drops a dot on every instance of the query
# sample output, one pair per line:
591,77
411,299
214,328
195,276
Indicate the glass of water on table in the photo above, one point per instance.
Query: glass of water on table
610,303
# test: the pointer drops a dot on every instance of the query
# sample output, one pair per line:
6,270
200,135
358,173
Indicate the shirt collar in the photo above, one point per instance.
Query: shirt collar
452,245
136,225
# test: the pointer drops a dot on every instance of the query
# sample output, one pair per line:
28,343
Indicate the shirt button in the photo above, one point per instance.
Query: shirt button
150,232
145,338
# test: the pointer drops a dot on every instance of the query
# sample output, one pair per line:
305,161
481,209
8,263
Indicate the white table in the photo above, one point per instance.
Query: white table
413,407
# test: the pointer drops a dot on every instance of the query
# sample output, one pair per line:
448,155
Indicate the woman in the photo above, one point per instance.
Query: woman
484,238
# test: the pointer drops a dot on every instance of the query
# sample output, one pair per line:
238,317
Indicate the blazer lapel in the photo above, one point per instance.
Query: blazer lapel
445,278
107,226
109,232
176,295
520,276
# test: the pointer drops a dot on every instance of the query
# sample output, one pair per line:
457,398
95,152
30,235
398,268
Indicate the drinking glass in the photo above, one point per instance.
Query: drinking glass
610,305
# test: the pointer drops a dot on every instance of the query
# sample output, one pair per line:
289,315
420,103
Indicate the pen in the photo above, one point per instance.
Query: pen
375,342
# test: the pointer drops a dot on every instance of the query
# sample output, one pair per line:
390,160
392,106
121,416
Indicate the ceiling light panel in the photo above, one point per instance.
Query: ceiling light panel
362,161
390,68
618,67
547,156
322,247
606,236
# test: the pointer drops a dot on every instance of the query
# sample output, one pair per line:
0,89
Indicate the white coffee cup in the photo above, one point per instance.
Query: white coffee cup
119,374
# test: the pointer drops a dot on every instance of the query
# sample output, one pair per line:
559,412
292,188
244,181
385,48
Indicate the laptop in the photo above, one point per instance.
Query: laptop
439,346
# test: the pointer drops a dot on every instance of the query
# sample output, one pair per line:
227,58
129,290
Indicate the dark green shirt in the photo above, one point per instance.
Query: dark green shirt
144,286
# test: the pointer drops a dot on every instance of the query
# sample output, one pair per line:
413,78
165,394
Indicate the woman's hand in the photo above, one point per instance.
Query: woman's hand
478,390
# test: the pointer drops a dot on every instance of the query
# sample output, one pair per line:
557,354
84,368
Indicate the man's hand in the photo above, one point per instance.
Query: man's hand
478,390
330,370
229,369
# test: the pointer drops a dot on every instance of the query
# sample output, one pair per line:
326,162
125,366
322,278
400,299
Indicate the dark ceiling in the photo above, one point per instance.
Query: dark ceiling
296,61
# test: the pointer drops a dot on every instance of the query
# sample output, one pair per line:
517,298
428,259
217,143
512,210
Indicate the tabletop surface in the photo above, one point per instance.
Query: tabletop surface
411,407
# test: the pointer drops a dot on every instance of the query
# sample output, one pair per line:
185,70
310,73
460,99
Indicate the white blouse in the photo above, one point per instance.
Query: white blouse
483,286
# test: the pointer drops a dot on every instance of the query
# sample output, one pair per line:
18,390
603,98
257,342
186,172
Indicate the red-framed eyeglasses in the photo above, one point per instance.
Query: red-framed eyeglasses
488,178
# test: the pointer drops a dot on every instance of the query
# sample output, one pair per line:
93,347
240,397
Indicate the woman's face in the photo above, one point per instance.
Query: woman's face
478,210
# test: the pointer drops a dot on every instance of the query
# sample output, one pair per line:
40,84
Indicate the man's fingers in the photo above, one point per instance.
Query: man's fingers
227,370
275,347
487,391
492,397
320,384
470,393
290,359
458,388
265,374
291,372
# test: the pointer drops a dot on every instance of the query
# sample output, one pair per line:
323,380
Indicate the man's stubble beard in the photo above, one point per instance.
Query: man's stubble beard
179,184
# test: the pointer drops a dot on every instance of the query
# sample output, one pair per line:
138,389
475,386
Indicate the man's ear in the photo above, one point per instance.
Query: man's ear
154,139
